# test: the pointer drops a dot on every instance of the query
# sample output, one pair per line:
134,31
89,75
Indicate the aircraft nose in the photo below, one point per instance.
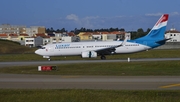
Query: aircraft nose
37,52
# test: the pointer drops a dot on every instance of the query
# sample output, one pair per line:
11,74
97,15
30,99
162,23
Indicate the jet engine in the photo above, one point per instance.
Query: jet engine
89,54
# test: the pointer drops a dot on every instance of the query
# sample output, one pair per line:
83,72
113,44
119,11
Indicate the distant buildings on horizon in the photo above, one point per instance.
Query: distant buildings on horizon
36,35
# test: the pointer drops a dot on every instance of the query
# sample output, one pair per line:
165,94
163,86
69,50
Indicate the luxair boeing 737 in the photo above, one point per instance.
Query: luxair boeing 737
152,40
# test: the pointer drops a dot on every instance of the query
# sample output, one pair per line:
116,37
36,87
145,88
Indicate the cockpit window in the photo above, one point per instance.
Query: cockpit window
43,47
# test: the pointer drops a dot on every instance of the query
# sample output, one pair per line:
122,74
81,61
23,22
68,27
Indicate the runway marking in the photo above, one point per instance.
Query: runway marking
169,86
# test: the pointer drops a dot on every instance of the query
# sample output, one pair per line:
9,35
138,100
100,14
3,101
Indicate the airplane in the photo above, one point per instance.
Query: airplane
152,40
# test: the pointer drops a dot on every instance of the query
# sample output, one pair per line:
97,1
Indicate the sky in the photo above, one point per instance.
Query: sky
90,14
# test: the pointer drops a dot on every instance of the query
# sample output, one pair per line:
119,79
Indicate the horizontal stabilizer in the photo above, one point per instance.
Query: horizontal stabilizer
162,41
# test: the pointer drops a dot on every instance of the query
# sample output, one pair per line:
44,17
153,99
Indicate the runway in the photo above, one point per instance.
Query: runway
22,81
26,63
16,81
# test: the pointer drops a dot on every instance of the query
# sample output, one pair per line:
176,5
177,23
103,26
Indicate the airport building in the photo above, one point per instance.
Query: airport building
173,34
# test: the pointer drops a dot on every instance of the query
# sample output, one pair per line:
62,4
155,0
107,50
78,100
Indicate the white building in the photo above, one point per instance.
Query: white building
30,42
12,29
33,42
35,30
173,34
66,39
62,39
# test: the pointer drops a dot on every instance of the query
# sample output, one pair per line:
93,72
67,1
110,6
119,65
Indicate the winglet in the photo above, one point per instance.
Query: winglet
124,42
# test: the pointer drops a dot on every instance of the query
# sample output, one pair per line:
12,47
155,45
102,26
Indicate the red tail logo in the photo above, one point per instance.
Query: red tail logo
164,18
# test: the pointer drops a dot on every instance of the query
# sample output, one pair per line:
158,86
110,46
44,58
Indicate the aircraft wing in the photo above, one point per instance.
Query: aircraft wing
111,50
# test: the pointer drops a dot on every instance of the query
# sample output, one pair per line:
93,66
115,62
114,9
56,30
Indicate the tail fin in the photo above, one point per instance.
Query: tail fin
158,31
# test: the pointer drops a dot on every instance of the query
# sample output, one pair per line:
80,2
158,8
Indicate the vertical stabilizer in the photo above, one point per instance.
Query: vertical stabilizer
158,31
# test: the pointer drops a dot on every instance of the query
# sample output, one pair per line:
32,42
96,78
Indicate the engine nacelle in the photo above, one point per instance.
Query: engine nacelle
89,54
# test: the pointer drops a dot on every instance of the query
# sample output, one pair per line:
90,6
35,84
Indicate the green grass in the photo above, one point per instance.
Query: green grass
73,95
162,68
20,57
7,46
173,53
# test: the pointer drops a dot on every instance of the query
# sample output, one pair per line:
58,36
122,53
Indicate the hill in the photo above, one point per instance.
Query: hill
12,47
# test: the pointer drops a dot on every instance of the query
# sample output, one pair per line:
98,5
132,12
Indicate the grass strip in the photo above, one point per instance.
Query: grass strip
162,68
171,53
79,95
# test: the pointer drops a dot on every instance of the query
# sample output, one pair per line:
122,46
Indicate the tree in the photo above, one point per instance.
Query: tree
76,31
58,31
133,34
83,29
140,33
148,30
63,30
51,29
122,29
48,30
140,30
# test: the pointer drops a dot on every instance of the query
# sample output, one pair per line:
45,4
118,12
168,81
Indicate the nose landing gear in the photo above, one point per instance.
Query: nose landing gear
47,57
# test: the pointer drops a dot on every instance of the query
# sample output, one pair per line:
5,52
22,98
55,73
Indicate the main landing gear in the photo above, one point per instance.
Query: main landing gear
103,57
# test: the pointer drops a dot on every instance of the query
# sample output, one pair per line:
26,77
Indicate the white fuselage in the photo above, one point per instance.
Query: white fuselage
153,39
76,48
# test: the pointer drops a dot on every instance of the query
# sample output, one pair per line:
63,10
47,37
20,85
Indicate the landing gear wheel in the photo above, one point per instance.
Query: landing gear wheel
103,57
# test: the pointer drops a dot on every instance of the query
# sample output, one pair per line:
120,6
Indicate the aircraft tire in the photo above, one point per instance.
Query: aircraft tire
103,57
